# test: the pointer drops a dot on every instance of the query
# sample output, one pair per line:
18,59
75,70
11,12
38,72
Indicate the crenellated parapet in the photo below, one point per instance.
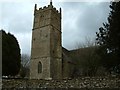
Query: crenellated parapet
45,8
47,15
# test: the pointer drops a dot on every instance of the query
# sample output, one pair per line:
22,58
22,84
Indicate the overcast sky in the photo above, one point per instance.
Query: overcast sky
79,20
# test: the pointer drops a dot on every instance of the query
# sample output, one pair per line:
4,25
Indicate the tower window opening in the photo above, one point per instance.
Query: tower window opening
39,67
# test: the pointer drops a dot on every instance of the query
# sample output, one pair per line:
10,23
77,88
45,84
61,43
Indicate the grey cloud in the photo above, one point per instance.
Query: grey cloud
93,17
78,20
24,42
17,16
89,17
73,5
25,26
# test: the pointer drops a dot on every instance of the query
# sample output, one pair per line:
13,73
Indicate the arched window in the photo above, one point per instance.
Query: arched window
39,67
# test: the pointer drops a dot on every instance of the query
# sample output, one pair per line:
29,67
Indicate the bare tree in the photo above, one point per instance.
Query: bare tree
89,42
25,60
86,58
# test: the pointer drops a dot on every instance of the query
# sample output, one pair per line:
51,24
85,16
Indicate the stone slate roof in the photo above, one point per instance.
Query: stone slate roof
66,56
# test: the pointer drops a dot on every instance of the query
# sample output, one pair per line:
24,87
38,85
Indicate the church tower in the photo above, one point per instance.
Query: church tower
46,51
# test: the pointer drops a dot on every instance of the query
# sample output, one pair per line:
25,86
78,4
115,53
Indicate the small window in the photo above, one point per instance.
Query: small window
34,39
39,67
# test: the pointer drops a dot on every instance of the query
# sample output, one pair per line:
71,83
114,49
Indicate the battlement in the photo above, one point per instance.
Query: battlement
41,9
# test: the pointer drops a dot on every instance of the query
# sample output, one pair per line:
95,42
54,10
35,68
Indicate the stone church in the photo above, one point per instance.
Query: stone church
49,60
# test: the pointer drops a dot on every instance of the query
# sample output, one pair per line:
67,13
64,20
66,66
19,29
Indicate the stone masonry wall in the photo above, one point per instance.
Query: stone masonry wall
83,82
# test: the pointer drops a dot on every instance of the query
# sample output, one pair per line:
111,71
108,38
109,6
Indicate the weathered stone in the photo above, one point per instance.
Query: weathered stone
46,53
73,83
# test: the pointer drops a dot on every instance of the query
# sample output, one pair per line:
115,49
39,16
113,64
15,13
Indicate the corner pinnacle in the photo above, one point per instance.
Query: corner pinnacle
50,2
